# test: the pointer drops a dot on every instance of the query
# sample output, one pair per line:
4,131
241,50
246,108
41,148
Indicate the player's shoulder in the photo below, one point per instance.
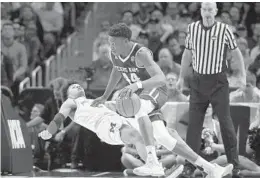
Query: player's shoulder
143,51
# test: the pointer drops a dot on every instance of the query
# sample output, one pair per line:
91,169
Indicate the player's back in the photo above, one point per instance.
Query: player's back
87,116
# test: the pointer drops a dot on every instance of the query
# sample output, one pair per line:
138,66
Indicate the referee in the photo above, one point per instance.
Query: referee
206,44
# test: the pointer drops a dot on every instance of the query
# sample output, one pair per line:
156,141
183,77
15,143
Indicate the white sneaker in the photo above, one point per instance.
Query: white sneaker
150,169
219,172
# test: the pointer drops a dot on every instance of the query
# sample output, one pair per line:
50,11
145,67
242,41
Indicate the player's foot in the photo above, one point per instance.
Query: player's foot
149,169
174,171
219,172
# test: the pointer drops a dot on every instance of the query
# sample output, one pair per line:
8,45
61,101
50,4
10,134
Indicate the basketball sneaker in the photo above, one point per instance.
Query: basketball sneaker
219,172
150,169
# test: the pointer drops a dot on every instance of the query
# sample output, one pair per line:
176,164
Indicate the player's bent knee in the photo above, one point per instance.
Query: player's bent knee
134,136
146,107
162,136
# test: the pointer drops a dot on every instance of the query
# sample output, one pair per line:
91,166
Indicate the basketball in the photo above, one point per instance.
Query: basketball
128,107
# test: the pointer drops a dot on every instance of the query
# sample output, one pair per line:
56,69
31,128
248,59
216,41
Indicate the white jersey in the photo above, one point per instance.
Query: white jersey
90,117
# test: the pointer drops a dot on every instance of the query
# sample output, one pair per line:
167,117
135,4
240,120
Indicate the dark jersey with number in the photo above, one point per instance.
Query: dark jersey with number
132,73
127,66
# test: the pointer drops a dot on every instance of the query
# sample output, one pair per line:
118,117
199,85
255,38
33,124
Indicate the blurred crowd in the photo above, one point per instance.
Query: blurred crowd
30,34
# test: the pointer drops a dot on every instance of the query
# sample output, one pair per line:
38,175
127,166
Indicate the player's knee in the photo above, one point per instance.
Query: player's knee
163,137
135,136
127,160
145,109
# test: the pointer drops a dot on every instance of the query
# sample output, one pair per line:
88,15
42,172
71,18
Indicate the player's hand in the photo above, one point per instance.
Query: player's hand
98,101
45,135
128,91
180,84
59,136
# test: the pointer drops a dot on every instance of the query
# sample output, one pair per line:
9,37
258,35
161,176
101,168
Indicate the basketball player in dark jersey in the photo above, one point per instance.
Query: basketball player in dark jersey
135,63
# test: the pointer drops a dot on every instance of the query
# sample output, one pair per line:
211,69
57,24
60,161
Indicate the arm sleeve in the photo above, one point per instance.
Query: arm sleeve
188,42
230,39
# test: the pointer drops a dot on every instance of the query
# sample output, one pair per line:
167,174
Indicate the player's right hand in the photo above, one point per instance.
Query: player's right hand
98,101
180,84
45,135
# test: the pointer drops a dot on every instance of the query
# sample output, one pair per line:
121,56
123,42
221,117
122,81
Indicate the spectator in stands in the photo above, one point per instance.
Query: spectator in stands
256,13
212,148
57,6
249,94
174,95
226,6
256,50
7,71
130,158
52,22
35,126
128,19
158,34
243,46
234,16
69,17
225,17
172,14
101,39
157,14
252,41
33,46
193,8
166,62
181,38
105,25
185,20
27,16
255,69
102,67
16,52
143,38
143,16
5,13
175,48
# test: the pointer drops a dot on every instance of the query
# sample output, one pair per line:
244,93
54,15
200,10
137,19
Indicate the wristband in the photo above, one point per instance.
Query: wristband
139,85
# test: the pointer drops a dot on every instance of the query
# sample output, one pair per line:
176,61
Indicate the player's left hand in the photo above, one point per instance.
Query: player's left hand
128,91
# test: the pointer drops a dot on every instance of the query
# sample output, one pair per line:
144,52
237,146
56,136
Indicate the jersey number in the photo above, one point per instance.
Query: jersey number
133,78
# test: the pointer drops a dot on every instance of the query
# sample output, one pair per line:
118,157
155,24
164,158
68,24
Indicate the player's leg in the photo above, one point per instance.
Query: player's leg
178,146
130,135
244,163
130,162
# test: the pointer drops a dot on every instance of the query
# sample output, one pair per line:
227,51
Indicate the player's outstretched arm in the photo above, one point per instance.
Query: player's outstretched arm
115,77
60,116
144,58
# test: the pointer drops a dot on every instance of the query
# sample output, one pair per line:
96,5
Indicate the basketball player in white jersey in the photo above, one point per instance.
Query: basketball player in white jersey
107,124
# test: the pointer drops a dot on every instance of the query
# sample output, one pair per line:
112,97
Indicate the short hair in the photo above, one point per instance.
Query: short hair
120,30
66,87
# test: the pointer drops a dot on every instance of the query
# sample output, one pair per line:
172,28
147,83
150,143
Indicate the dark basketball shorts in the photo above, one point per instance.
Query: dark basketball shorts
158,96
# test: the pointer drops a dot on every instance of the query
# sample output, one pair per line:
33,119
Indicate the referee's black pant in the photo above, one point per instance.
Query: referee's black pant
212,89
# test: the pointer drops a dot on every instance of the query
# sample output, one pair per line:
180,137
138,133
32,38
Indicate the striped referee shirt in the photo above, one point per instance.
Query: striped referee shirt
209,46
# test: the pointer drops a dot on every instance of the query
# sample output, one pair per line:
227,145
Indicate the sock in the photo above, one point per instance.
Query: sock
151,154
207,166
